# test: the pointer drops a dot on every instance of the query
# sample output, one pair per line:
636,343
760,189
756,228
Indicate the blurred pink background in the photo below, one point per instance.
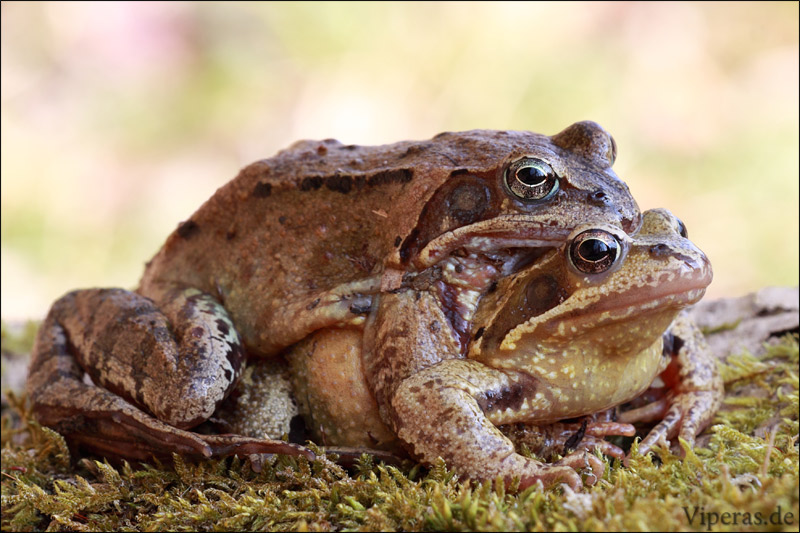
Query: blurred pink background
120,119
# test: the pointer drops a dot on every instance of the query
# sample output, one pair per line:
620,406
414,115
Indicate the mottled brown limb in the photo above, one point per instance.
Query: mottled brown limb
230,444
452,425
111,330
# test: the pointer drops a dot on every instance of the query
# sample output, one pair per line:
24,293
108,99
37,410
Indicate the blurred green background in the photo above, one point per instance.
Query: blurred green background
119,120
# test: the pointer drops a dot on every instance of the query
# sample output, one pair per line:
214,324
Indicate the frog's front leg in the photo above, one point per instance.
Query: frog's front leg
694,385
440,404
447,410
176,362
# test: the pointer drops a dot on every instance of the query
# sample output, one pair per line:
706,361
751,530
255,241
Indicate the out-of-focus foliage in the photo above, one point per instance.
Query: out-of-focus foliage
120,119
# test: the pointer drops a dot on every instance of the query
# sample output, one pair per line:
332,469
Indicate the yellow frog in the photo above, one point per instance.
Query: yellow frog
579,331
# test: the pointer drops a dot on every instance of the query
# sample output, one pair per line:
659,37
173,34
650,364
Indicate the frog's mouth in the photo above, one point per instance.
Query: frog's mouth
500,233
653,304
610,311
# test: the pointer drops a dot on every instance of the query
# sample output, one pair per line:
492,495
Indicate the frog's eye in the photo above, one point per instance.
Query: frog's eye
682,229
594,251
531,179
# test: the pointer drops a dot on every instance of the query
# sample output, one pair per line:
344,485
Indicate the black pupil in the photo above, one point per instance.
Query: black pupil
531,176
593,250
682,230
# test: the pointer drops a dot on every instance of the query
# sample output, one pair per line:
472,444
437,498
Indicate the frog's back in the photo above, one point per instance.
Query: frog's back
317,215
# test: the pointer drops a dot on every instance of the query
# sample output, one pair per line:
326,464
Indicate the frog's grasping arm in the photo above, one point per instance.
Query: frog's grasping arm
437,412
431,396
146,359
696,389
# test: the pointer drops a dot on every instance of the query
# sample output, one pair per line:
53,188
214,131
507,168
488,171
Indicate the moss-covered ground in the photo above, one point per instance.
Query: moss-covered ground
744,477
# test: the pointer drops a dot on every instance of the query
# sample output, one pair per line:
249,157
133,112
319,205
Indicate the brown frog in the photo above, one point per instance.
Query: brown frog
322,235
576,333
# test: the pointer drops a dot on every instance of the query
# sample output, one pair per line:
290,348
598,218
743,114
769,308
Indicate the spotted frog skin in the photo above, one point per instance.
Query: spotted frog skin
320,236
576,333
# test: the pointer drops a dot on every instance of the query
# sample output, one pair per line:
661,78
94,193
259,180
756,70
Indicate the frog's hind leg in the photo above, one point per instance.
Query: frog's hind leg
144,362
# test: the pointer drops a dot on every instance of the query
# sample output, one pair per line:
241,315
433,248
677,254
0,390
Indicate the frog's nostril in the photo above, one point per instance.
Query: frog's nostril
599,197
660,250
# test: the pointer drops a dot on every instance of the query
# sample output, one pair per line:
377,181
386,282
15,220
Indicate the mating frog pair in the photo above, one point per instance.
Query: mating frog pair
451,269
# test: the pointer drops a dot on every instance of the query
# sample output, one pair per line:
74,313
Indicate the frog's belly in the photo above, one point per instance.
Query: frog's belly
596,384
332,393
606,383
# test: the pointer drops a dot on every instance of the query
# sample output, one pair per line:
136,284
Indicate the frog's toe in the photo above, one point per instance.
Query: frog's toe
657,434
550,475
592,438
530,472
585,463
603,446
609,429
667,429
702,405
229,444
688,415
647,413
568,470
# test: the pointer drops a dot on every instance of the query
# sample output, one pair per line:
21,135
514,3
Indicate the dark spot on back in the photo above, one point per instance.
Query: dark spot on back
341,184
262,190
385,177
311,183
188,229
281,220
479,333
397,241
350,147
459,172
312,305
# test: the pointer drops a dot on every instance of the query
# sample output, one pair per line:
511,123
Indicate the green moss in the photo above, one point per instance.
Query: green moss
750,465
19,341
